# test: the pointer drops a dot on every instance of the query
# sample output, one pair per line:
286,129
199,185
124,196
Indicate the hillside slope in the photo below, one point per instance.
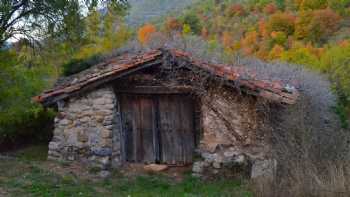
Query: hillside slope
142,11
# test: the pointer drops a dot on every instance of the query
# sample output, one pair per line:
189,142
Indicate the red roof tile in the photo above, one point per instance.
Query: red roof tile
109,70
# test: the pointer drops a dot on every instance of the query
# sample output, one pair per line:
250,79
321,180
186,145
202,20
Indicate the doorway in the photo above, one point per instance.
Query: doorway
158,128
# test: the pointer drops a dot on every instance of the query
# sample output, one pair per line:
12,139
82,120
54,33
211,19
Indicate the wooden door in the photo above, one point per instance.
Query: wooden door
158,128
176,128
139,126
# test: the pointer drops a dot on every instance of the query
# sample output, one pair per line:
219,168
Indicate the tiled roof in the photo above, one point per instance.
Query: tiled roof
123,65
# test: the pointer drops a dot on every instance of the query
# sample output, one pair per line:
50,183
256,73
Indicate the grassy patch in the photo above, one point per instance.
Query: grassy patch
23,178
27,176
32,153
163,186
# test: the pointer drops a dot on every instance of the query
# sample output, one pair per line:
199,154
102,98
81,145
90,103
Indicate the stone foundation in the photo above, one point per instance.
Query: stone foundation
86,130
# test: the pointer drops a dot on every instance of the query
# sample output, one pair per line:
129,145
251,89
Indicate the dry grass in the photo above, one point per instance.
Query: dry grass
307,181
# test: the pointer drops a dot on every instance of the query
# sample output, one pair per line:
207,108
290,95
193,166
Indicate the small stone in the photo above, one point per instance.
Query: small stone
106,133
197,175
54,146
198,167
71,158
264,168
102,151
239,159
109,127
99,101
208,157
64,122
105,174
215,171
82,137
230,153
106,142
99,118
105,161
85,119
109,106
155,167
217,165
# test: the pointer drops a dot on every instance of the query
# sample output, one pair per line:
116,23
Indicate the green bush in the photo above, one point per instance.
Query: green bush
78,65
19,115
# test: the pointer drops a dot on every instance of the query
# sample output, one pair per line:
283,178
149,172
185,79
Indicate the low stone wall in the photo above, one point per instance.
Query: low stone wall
232,136
86,130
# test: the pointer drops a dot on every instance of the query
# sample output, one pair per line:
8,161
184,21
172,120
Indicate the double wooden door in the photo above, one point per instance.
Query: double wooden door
158,128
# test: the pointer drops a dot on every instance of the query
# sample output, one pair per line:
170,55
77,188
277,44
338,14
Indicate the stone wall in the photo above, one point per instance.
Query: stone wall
233,134
87,130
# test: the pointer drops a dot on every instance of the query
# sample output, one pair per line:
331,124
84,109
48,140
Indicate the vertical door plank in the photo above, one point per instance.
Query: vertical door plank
147,114
187,133
128,127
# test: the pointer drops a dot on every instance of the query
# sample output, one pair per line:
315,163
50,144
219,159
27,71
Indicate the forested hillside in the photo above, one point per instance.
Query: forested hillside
311,33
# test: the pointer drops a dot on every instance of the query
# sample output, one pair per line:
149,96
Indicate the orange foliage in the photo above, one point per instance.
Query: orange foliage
344,43
326,20
270,8
236,10
317,25
262,29
227,40
205,33
281,22
318,52
249,43
145,33
276,52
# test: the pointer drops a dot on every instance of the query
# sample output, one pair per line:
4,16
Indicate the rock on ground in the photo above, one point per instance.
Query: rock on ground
155,167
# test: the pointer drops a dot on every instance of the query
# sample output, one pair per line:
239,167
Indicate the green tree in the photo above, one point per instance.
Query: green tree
32,18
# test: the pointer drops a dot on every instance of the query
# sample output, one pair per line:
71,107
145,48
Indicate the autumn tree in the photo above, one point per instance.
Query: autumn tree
270,8
172,24
145,33
249,44
235,10
281,21
312,4
317,25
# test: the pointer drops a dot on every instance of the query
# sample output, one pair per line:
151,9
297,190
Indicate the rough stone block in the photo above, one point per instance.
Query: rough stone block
198,167
102,151
217,165
155,167
264,168
54,145
105,174
106,142
105,133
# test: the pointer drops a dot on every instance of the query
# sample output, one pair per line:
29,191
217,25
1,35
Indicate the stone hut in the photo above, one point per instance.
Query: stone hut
164,107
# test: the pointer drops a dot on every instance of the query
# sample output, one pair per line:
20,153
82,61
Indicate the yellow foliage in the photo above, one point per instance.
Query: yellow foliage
249,43
276,52
186,29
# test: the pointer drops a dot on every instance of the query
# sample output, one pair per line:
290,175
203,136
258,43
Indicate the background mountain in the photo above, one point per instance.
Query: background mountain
142,11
